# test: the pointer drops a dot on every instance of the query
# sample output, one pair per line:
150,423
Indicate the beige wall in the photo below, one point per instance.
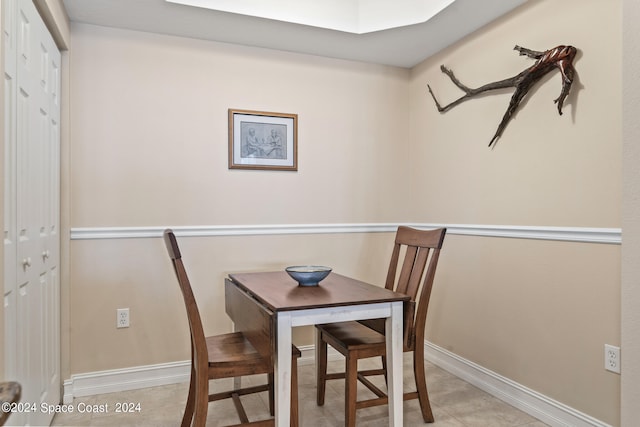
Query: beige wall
161,127
630,387
547,169
148,118
137,274
536,312
149,148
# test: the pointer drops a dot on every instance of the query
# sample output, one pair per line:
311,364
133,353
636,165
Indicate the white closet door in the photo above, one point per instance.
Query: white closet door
32,303
9,14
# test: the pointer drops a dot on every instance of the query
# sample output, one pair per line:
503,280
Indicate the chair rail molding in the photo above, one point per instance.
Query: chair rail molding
566,234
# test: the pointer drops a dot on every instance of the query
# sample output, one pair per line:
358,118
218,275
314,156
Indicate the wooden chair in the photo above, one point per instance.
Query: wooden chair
363,339
247,351
10,392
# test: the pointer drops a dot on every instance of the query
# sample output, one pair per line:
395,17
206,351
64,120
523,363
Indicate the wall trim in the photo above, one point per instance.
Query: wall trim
566,234
537,405
137,377
533,403
116,380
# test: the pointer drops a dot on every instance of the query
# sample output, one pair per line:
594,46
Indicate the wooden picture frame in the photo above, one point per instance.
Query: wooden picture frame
263,140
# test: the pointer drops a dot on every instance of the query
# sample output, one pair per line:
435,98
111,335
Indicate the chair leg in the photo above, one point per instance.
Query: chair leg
421,385
321,368
294,392
272,406
188,410
351,388
384,366
201,399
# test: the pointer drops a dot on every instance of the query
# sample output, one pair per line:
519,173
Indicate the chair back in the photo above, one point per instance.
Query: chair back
256,322
199,353
421,250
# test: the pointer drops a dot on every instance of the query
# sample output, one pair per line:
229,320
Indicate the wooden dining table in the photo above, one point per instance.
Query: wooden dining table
337,298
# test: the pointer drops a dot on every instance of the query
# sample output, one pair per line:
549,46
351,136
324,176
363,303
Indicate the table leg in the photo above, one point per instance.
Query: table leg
282,374
237,381
394,364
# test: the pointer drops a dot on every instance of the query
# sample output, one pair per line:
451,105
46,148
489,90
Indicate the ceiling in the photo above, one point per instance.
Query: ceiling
403,44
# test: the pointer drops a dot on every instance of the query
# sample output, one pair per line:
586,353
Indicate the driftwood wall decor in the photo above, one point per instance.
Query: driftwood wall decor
560,57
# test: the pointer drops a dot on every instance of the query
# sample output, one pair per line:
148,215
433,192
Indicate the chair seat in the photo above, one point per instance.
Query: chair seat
353,335
232,355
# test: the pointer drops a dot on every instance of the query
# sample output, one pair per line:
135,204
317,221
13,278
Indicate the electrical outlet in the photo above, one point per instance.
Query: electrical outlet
612,358
122,318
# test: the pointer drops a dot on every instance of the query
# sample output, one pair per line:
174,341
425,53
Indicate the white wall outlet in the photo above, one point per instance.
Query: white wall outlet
122,318
612,358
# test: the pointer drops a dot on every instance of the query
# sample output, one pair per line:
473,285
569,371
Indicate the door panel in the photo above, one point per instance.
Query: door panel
32,285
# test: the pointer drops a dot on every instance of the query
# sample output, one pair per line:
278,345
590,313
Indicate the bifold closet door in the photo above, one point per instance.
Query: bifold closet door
31,206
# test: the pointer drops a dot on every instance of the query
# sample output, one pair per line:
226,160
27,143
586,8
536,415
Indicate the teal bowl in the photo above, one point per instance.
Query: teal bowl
308,275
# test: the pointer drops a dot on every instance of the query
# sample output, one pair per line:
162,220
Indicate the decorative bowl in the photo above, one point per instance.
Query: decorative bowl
308,275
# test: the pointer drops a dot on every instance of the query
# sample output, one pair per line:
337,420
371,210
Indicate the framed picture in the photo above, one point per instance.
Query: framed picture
261,140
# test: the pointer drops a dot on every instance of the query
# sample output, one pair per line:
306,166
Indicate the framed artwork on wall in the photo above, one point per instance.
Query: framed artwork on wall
263,140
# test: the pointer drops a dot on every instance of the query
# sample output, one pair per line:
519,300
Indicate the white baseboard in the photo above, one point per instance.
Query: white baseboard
115,380
535,404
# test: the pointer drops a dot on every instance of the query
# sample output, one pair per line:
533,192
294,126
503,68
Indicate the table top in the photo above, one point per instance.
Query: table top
277,291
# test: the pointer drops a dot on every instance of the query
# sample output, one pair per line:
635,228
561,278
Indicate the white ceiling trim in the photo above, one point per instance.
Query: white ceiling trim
404,46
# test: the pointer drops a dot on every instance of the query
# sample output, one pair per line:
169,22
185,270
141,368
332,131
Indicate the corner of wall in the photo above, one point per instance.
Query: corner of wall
55,17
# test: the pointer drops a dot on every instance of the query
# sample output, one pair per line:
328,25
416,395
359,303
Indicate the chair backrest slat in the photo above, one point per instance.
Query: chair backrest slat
425,296
406,269
393,267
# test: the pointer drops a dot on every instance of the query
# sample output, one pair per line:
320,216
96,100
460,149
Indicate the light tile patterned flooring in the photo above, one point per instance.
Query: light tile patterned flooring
455,403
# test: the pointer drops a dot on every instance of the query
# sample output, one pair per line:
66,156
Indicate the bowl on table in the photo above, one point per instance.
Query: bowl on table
308,275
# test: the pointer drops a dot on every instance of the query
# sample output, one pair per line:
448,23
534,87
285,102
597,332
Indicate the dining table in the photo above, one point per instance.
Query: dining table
337,298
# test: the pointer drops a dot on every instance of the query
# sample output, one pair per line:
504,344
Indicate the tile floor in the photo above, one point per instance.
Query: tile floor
454,402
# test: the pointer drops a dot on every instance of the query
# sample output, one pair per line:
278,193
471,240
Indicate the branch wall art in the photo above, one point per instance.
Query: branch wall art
560,57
